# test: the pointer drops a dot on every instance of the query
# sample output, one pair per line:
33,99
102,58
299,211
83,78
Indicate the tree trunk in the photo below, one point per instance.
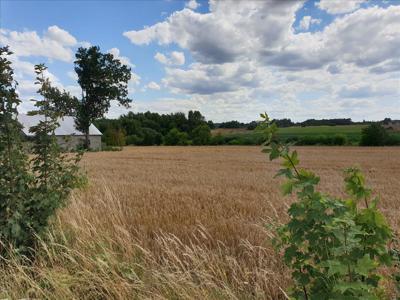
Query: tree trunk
87,140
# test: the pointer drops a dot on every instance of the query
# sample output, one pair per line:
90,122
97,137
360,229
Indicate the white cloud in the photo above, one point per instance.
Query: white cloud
175,58
307,21
339,6
63,37
153,86
227,32
161,58
192,4
296,75
55,43
124,60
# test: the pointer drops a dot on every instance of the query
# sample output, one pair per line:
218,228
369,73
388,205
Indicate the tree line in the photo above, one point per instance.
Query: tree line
150,128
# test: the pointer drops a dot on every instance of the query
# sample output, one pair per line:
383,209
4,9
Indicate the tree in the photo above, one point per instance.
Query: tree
151,137
333,247
102,78
195,119
55,174
176,137
115,137
15,178
201,135
31,191
374,135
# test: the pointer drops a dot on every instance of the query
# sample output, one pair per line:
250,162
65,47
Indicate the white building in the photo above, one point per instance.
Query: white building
68,137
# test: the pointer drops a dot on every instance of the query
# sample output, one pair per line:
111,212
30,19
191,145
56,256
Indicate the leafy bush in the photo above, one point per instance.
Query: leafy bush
393,140
115,137
374,135
339,140
134,140
217,140
175,137
151,137
31,191
201,135
334,247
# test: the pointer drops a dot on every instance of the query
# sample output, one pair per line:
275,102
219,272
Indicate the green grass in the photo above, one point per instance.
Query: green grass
353,132
316,133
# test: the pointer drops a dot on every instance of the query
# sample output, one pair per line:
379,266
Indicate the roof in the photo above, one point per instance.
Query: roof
67,125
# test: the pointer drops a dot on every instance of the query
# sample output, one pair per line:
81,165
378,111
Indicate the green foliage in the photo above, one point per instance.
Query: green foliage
31,191
115,137
396,258
175,137
374,135
201,135
15,178
102,79
334,247
150,137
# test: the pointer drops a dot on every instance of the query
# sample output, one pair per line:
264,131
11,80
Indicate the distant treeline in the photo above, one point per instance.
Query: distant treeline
149,128
155,129
310,122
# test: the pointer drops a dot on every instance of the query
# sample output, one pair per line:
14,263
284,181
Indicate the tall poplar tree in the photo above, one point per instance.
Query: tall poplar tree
102,79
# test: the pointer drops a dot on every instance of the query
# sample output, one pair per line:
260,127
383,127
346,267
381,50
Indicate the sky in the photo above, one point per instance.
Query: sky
229,59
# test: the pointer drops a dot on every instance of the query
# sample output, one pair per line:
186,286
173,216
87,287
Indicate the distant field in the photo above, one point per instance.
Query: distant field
353,132
184,223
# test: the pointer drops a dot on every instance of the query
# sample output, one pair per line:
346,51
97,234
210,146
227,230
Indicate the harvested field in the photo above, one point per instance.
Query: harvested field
184,223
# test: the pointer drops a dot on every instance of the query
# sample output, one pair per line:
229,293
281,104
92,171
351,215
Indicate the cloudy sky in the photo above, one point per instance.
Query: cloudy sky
228,59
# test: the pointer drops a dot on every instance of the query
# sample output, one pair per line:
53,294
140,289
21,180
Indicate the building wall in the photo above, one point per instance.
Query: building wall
72,142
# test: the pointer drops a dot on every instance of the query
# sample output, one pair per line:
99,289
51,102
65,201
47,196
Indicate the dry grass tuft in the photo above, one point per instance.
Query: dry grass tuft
182,223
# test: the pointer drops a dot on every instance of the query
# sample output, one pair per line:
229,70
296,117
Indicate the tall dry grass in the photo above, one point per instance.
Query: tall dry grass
182,223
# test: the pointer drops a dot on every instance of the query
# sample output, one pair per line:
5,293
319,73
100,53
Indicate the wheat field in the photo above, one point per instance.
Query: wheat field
183,223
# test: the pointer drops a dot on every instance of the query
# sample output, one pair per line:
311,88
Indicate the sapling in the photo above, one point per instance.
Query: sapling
333,246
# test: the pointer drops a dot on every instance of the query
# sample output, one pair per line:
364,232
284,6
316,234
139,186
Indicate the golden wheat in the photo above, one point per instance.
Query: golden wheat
182,223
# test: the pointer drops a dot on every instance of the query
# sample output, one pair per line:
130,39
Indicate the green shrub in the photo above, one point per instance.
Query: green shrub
217,140
334,247
201,135
393,140
374,135
31,191
115,137
234,142
134,140
151,137
176,137
339,140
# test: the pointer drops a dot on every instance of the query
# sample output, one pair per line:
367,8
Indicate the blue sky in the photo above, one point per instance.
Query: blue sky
228,59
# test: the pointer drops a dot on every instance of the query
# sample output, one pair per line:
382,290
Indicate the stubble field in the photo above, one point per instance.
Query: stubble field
184,223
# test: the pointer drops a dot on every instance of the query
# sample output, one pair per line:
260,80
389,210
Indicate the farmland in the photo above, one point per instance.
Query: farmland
352,132
183,223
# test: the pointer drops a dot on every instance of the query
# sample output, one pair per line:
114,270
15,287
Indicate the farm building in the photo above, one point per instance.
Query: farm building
68,137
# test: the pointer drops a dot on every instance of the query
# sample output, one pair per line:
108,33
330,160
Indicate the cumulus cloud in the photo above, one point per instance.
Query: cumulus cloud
192,4
55,43
262,30
175,58
227,32
153,86
210,79
124,60
255,56
339,6
307,21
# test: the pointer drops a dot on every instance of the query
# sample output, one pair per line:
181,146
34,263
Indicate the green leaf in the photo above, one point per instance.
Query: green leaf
287,188
365,265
